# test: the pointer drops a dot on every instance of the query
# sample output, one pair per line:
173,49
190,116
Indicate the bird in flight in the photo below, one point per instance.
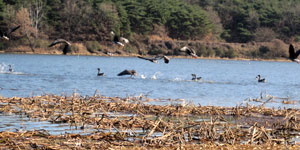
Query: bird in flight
155,59
189,51
67,45
119,40
128,72
294,55
5,35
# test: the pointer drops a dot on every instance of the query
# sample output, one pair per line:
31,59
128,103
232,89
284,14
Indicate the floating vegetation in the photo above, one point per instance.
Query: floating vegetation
265,98
131,122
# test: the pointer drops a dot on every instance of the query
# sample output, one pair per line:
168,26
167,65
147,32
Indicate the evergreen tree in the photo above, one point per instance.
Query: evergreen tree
2,6
53,12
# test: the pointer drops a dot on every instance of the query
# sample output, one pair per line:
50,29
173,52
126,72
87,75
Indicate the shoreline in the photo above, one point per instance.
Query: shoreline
134,55
275,50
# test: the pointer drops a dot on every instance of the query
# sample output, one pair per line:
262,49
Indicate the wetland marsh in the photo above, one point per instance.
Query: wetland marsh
59,102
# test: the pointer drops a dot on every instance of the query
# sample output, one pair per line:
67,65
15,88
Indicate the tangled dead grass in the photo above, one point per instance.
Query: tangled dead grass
133,123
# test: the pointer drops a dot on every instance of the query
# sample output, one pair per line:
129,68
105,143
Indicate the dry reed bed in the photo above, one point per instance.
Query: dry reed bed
132,122
42,140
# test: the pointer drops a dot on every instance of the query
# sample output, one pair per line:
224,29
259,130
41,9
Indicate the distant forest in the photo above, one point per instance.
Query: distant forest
233,21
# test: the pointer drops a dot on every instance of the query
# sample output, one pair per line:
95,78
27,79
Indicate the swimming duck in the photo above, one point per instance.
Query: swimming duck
10,69
195,78
100,74
259,79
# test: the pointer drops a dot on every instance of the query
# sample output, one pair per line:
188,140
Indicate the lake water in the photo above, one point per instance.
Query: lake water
225,82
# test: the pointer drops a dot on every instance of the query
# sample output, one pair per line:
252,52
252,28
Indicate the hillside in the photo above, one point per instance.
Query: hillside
226,29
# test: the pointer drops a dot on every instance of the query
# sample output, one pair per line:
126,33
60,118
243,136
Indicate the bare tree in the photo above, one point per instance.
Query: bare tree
216,21
23,19
36,13
264,34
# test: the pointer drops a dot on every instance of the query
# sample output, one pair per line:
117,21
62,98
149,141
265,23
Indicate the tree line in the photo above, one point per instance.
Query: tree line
92,20
256,20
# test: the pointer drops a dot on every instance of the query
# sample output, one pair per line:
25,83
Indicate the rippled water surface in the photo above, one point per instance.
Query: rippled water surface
225,82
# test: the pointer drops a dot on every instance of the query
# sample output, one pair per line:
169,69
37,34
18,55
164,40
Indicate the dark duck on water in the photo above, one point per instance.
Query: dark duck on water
99,73
259,79
195,78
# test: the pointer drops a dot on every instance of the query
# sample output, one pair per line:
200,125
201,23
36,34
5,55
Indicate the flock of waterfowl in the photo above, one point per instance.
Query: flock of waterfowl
121,41
118,40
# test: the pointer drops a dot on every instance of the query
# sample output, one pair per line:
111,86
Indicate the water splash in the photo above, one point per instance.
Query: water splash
154,76
4,68
143,76
176,79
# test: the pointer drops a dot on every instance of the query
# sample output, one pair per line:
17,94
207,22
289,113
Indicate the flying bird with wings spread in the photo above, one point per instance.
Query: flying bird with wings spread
128,72
119,40
155,59
294,55
66,47
189,51
5,35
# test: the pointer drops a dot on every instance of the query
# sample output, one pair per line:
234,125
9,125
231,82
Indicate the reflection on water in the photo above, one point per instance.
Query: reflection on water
224,82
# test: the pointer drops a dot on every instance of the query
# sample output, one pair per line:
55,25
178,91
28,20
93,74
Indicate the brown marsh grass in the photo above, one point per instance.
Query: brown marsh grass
134,123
